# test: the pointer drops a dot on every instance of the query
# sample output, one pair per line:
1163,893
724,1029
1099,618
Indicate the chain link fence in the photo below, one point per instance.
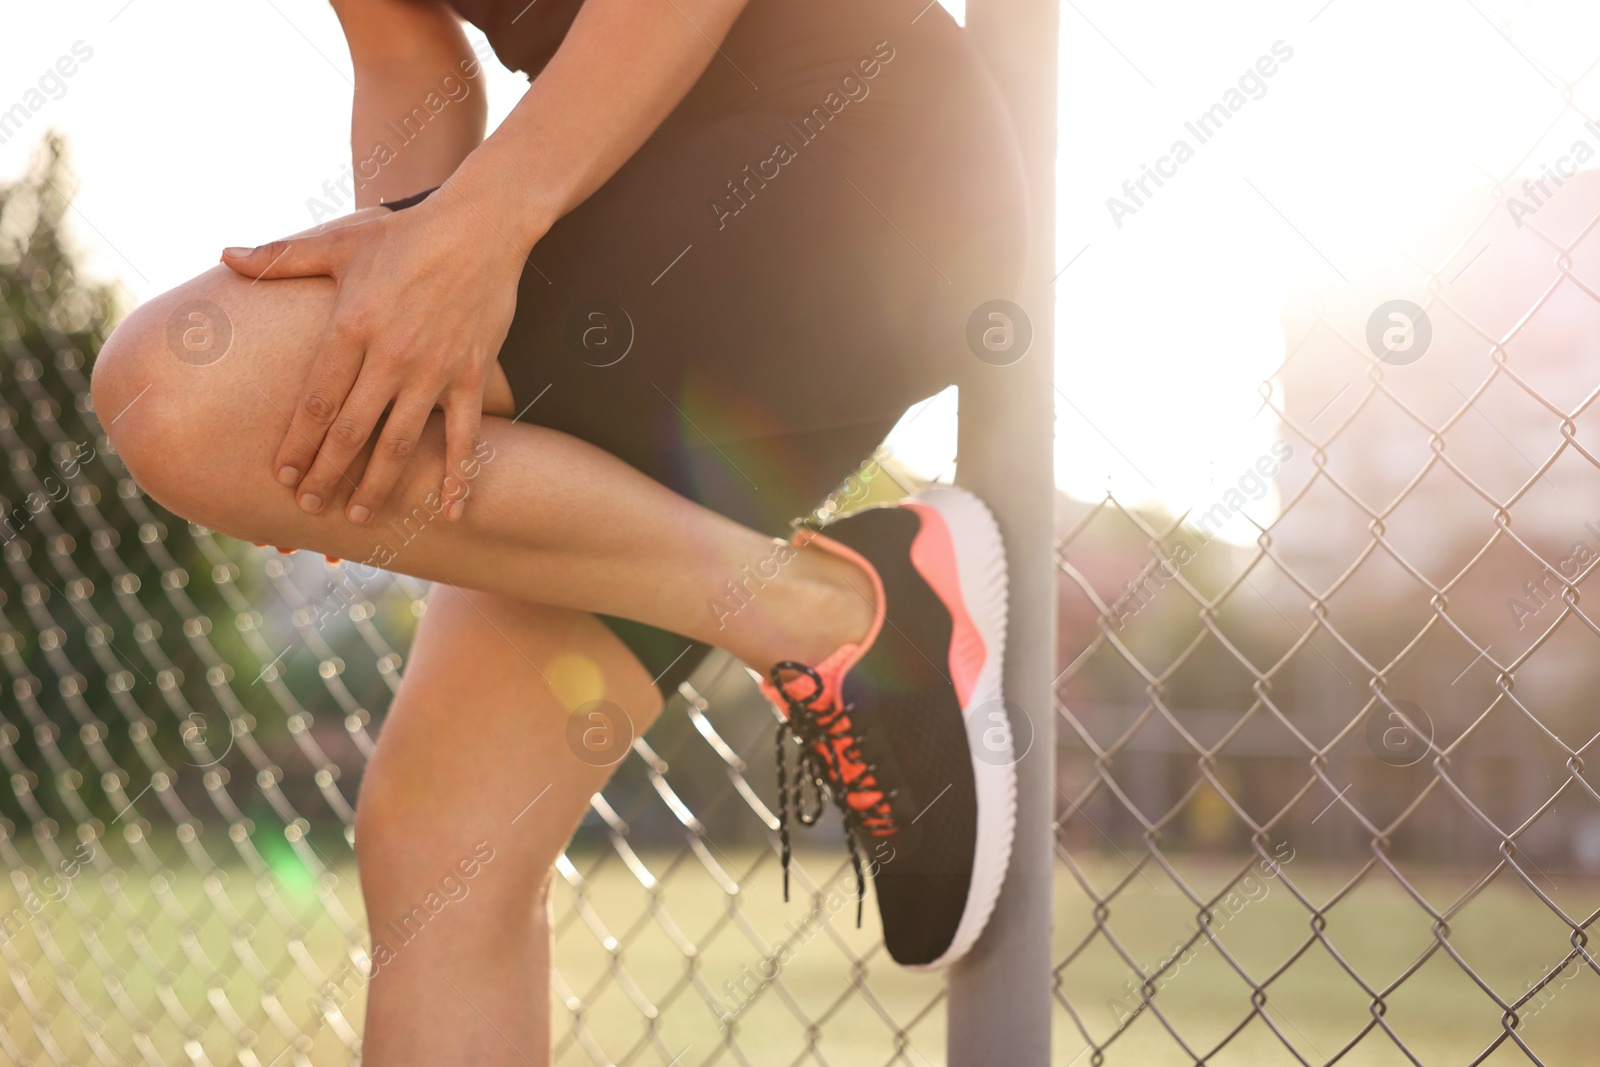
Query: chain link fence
1323,793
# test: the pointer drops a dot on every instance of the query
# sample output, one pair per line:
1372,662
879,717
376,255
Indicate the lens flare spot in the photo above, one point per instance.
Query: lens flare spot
575,679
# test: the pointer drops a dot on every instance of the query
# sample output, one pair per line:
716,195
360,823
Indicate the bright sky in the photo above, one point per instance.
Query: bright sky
194,125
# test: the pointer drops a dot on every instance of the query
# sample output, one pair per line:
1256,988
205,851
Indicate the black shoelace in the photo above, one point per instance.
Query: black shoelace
818,766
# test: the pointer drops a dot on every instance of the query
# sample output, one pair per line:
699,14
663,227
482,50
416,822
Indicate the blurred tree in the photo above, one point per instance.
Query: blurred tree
89,679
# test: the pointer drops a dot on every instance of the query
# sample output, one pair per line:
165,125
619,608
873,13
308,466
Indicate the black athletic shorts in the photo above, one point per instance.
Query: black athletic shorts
787,264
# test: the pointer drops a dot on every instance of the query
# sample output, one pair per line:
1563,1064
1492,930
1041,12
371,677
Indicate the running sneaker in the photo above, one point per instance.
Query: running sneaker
893,728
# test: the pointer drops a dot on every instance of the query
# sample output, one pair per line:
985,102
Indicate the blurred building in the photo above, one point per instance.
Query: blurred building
1437,494
1472,411
1449,486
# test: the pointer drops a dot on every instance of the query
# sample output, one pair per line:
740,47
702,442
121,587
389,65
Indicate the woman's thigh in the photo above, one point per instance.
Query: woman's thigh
196,388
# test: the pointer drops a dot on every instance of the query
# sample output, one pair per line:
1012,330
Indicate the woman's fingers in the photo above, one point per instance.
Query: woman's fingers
348,431
463,415
328,384
390,454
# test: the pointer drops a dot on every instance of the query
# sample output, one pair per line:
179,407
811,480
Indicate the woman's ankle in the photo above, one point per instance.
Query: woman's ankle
815,603
830,604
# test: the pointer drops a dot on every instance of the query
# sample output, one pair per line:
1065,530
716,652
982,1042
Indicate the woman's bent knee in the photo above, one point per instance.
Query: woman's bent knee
216,347
188,386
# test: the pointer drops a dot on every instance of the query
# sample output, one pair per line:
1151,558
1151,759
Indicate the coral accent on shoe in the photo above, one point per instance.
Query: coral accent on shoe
933,554
289,551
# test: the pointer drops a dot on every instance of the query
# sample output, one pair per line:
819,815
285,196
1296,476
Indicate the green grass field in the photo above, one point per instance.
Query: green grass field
178,954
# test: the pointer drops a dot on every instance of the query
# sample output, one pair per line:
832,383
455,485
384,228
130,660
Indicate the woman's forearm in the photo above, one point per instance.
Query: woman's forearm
419,106
625,64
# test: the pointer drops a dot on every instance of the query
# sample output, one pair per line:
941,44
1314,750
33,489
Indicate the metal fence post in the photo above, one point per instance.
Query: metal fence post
1000,994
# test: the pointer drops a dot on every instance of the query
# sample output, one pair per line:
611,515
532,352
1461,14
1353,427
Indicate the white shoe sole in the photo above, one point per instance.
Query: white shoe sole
981,570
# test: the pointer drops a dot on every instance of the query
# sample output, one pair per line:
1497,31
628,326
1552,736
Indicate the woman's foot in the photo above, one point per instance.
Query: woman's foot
894,724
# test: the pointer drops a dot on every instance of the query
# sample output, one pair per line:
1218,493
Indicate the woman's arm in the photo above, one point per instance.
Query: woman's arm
625,64
426,296
419,106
